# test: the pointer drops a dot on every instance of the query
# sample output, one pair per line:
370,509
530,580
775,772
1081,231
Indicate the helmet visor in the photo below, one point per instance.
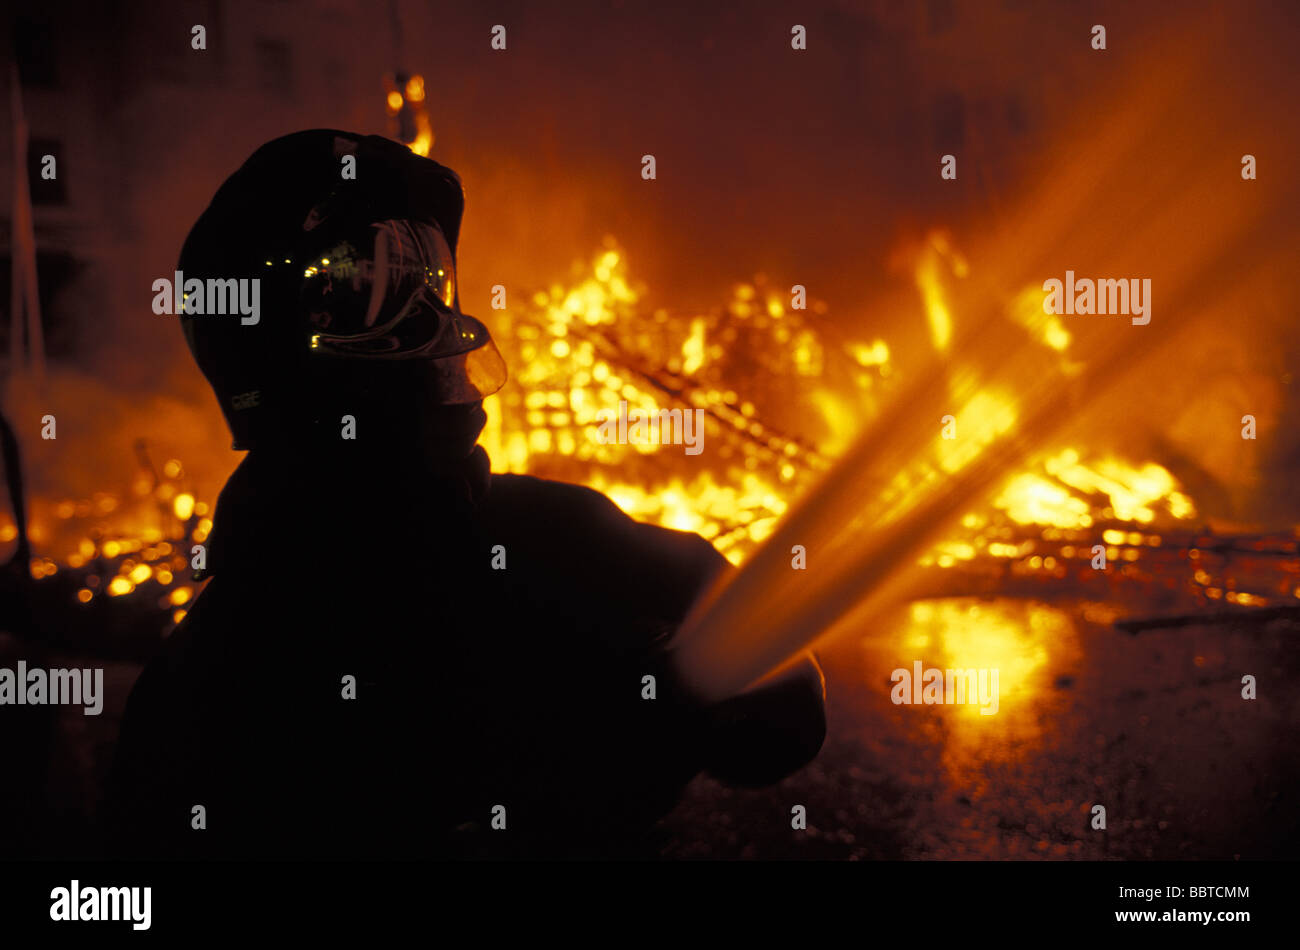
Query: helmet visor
388,291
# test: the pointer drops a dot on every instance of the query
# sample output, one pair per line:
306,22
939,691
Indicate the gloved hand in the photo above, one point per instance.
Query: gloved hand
754,739
770,731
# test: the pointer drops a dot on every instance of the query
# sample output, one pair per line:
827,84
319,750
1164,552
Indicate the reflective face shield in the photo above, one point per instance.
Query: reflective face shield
386,290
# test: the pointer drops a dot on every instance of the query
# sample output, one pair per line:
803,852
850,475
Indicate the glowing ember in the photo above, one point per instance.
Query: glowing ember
1055,496
760,372
581,350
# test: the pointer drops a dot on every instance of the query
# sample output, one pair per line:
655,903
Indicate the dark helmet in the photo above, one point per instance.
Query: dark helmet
352,270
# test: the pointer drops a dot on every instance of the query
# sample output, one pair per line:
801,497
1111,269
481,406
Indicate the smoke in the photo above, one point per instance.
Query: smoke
808,166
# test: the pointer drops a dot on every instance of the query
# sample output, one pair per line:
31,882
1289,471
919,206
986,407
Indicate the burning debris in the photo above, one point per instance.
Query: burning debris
777,397
134,546
578,352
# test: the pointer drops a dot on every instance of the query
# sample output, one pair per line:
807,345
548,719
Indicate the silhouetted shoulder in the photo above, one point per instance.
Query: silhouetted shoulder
520,495
574,527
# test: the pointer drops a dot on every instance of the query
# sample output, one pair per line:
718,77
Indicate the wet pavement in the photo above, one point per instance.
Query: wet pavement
1152,726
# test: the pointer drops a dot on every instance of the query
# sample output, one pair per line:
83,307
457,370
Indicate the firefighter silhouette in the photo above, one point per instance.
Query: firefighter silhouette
398,653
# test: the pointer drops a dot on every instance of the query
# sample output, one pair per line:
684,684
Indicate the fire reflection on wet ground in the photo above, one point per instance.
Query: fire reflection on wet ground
1152,726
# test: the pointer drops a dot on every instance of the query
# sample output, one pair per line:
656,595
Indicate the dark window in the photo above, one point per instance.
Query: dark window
1017,117
274,66
170,51
56,271
215,66
34,48
335,80
941,16
46,191
949,122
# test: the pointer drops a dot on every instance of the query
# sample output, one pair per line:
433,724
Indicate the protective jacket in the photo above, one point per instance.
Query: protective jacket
451,669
